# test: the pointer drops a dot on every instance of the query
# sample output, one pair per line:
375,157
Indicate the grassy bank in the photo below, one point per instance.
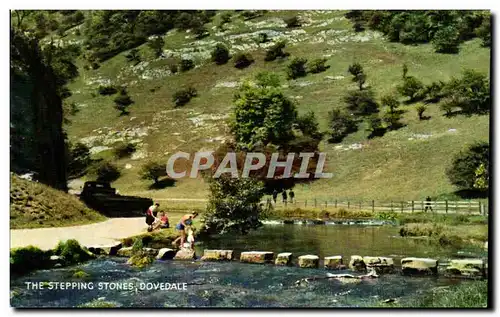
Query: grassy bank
466,294
34,205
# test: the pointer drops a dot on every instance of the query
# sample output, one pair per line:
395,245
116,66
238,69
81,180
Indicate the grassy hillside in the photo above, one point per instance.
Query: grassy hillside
408,163
34,205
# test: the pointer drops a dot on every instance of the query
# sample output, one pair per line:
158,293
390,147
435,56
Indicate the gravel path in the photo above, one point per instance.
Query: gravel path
96,234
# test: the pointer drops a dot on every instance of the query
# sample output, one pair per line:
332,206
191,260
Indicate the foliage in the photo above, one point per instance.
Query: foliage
267,79
173,68
482,177
446,40
435,91
183,96
391,118
243,60
462,172
484,31
340,125
361,102
124,150
297,68
292,22
355,69
262,38
262,114
375,126
24,260
156,45
186,64
153,171
308,125
420,111
123,101
390,101
471,93
411,88
106,171
107,90
234,205
360,80
71,252
224,18
133,56
220,55
317,65
276,51
79,159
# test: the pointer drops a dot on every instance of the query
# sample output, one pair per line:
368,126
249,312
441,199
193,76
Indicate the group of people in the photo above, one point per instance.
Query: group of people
284,195
184,226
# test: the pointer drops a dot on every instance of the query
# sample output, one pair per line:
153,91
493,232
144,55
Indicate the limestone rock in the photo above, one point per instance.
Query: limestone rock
333,262
217,255
357,263
257,257
150,251
110,249
56,258
283,258
165,254
185,254
309,261
418,266
125,252
380,264
466,267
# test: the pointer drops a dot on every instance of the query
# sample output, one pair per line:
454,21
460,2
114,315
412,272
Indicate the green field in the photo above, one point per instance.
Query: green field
406,164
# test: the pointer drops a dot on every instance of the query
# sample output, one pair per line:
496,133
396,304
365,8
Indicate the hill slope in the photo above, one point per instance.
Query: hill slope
408,163
34,205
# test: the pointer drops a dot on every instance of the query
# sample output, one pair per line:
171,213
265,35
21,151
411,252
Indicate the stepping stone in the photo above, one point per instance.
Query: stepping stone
217,255
333,262
419,266
185,254
380,264
284,258
125,252
257,257
165,254
309,261
466,267
110,249
357,263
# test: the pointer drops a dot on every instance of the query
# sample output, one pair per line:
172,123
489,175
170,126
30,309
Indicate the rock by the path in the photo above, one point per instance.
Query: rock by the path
418,266
357,263
150,251
333,262
380,264
125,252
110,249
466,267
284,258
309,261
165,254
257,257
217,255
185,254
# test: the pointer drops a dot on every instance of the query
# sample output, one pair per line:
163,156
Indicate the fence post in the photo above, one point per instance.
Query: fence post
456,207
412,206
392,207
446,205
335,203
315,203
402,208
348,204
305,203
373,205
480,210
359,205
422,205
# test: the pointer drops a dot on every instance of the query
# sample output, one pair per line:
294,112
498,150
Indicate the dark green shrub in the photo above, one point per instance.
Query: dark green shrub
107,90
435,91
462,172
361,102
78,160
156,45
186,64
125,150
340,125
262,38
153,171
220,55
292,22
183,96
296,68
133,56
390,101
72,252
375,126
173,68
24,260
355,69
242,60
308,125
276,51
391,118
446,40
471,93
412,88
106,172
484,31
317,65
420,111
122,102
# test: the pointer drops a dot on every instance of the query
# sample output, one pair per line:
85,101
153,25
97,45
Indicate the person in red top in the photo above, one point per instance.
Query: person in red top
164,221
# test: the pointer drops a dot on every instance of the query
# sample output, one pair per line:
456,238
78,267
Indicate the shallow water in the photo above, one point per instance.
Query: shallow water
237,284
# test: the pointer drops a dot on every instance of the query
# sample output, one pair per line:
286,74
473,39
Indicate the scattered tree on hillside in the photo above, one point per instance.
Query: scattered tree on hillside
186,64
341,124
484,31
308,125
262,38
267,79
224,18
420,111
296,68
133,56
405,71
360,80
156,45
375,126
412,88
361,102
317,66
106,172
220,54
183,96
153,171
124,150
276,51
355,69
243,60
123,101
390,101
471,93
462,172
292,22
446,40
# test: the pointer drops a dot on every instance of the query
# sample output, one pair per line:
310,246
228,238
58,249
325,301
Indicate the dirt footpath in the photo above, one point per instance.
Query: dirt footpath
101,233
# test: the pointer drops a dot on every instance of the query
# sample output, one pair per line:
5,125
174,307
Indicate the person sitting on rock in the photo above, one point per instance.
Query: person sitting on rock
164,221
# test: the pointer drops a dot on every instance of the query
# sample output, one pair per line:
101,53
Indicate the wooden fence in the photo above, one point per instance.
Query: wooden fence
444,206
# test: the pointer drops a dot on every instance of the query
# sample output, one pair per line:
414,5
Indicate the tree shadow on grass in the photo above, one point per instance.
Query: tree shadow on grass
162,183
472,193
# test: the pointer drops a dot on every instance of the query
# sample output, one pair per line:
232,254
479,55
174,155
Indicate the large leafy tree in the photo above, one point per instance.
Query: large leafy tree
466,166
